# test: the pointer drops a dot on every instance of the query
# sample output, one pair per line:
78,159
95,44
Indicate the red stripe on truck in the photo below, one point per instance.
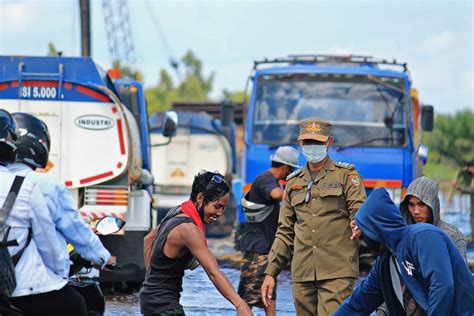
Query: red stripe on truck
97,177
15,84
114,109
68,183
3,86
120,134
68,85
92,93
30,83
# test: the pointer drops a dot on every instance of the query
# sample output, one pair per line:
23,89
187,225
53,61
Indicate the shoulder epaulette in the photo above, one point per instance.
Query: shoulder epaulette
293,174
345,165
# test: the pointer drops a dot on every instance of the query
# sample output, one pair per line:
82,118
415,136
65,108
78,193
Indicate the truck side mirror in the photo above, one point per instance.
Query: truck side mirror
227,113
169,124
427,118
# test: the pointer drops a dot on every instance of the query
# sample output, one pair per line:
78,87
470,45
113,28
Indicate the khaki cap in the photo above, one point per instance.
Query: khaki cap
315,128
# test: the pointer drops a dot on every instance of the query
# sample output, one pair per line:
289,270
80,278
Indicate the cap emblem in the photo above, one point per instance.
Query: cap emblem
313,128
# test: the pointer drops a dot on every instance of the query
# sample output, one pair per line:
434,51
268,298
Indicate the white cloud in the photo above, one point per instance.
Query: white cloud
437,42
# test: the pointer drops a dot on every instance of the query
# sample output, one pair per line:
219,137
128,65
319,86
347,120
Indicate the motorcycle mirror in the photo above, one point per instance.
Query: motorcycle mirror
109,225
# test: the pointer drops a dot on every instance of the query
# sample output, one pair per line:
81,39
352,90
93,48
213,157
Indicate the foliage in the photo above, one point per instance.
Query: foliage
440,171
236,96
452,140
126,71
53,51
194,86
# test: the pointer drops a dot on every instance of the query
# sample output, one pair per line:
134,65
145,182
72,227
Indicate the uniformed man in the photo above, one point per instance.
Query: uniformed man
314,228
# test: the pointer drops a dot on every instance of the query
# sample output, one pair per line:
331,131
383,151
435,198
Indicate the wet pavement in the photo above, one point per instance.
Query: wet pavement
200,297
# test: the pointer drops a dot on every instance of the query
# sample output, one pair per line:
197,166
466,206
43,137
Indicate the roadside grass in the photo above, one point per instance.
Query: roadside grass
443,173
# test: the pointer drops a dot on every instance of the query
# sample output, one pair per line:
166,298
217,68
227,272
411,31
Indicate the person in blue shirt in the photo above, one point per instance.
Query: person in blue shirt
420,271
33,153
40,289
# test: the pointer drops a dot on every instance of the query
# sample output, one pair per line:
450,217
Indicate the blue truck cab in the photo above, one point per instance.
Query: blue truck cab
371,103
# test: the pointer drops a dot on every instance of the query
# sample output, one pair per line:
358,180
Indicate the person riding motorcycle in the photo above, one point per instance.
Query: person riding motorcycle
33,152
40,290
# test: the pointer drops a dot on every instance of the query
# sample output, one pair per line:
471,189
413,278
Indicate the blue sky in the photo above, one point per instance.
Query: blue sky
435,38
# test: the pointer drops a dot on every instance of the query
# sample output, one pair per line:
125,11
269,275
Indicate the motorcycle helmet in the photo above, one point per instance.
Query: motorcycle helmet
8,138
34,141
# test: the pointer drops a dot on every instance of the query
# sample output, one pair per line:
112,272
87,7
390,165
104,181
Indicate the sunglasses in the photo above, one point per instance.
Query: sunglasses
217,179
308,191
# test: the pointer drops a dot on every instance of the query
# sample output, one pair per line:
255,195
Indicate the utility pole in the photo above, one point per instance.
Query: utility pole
85,13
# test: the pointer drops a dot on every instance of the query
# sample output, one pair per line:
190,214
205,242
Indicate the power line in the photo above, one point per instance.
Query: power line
168,51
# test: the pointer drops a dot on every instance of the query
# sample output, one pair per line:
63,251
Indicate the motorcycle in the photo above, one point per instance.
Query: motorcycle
79,274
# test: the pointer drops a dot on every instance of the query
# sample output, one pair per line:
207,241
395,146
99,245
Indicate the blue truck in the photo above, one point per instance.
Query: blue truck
100,145
375,111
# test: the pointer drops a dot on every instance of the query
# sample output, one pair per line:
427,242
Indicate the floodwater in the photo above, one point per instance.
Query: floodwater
200,297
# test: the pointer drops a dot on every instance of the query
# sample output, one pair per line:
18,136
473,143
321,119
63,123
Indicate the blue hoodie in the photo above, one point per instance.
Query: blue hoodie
430,264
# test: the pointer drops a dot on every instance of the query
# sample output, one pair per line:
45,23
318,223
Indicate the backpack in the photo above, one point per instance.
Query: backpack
149,240
8,263
255,212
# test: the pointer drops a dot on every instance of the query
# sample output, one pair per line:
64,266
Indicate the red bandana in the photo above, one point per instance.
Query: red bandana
189,209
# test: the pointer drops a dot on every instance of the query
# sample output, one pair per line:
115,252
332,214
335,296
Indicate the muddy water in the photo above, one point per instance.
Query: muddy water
201,298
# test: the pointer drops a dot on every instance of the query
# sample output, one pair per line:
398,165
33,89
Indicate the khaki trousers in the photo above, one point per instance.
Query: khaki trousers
321,297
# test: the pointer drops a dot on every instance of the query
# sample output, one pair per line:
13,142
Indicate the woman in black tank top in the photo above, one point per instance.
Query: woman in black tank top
181,237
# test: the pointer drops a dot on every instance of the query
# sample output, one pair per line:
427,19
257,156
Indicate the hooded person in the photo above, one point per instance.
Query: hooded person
420,271
421,204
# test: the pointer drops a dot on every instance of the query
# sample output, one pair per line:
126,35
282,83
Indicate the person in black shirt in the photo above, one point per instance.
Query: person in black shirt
180,242
261,207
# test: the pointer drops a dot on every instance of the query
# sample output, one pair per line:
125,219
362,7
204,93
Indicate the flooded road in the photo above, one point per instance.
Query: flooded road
201,298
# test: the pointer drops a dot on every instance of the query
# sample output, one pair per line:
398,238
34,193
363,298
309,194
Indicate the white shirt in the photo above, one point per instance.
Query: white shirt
38,270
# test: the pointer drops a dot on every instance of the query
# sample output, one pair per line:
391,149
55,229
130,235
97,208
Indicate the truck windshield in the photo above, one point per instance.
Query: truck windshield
360,108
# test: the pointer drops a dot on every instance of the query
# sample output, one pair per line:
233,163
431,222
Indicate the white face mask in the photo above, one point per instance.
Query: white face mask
314,153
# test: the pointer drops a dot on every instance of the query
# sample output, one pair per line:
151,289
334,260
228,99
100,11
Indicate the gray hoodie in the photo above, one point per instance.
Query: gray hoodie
427,191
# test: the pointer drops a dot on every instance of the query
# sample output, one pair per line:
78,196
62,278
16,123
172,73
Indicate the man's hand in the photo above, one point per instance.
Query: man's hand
112,262
355,230
266,290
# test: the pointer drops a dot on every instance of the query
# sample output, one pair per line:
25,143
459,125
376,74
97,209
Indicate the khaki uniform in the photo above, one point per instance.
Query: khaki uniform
316,236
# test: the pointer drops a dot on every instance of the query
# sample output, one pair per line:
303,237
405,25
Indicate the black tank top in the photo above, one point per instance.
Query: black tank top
163,282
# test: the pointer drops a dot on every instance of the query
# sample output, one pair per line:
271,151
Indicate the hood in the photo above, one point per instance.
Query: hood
380,219
427,191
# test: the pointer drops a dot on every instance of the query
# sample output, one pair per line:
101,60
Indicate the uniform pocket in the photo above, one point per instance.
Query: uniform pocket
331,199
297,198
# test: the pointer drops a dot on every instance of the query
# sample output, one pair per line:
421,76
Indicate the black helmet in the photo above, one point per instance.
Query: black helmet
34,142
8,137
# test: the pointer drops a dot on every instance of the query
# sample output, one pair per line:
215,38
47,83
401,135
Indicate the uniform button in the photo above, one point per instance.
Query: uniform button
314,247
313,214
313,199
313,230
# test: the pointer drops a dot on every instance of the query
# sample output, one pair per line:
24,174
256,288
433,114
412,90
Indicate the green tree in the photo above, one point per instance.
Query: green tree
194,86
53,51
236,96
452,139
126,71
